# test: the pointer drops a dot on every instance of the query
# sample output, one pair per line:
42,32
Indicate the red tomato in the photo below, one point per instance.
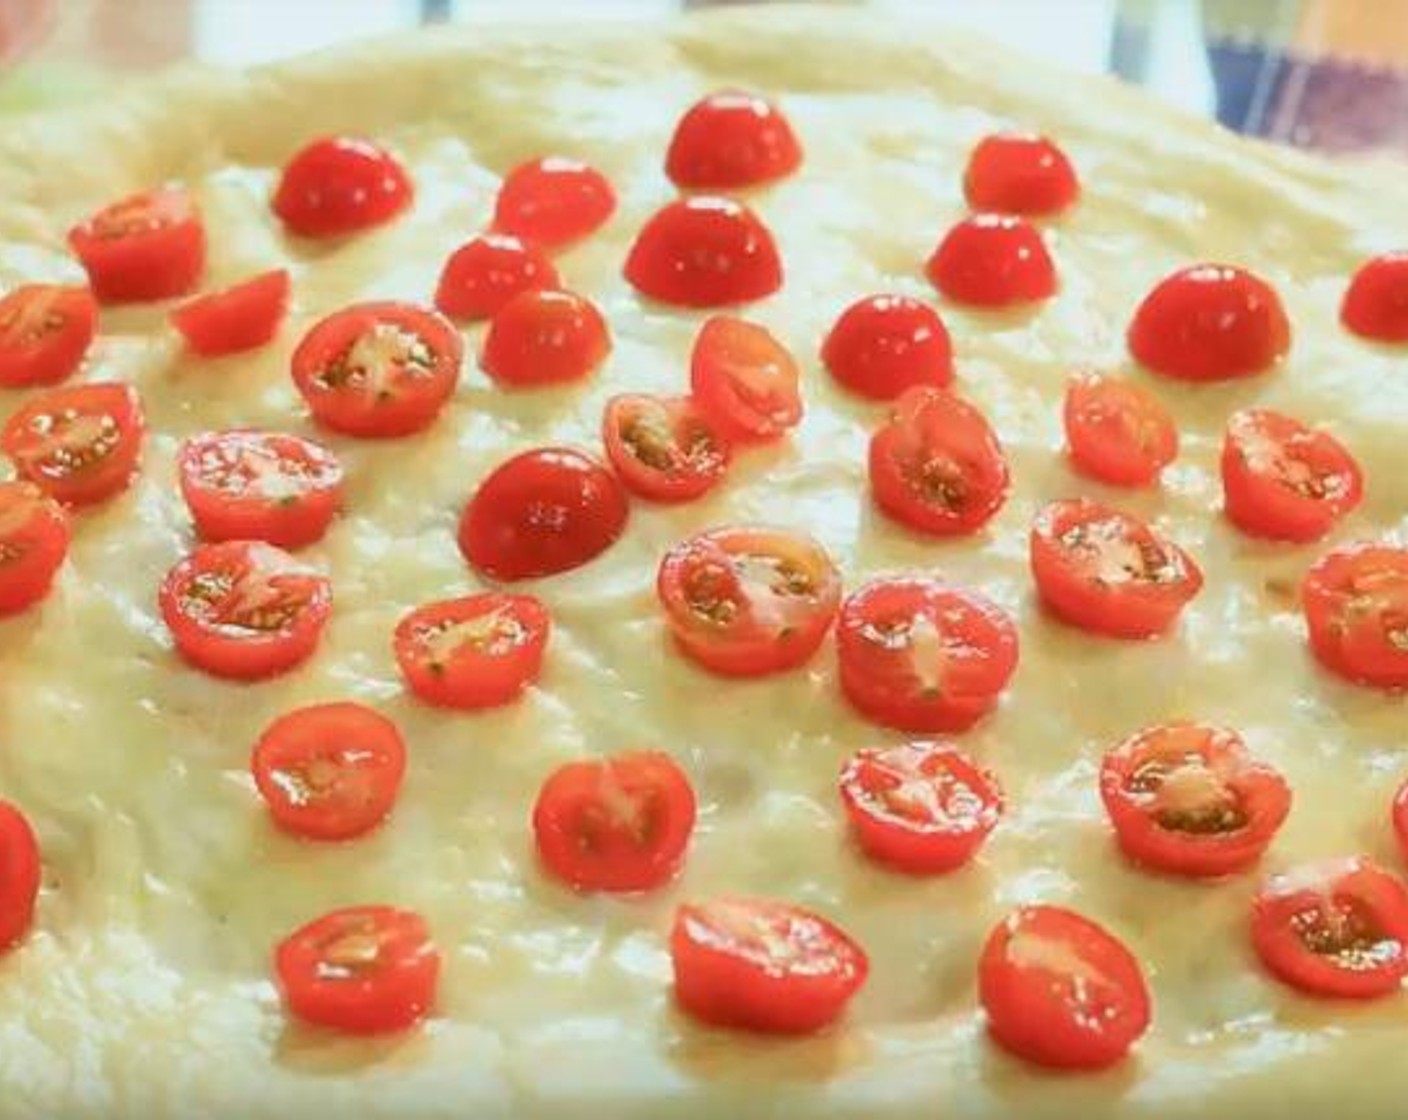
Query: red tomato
1376,303
920,656
362,970
19,875
378,370
1011,173
260,486
34,540
615,824
1189,799
745,380
553,201
729,140
244,609
80,444
1117,432
1283,480
1336,928
329,771
476,652
993,261
759,965
45,329
236,319
1107,572
705,251
744,602
936,465
664,448
340,185
542,512
883,345
1061,991
921,808
1210,322
1356,609
147,247
1400,818
544,338
487,271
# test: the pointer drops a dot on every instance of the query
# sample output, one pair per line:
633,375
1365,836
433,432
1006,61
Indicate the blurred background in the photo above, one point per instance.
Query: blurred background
1324,74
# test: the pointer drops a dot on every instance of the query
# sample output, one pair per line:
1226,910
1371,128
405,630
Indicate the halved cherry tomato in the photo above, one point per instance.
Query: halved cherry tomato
744,379
487,271
244,609
704,251
1337,928
921,808
1356,609
1061,991
45,329
19,875
363,970
1190,799
883,345
1013,173
34,540
731,139
329,771
1117,432
993,261
918,655
1210,322
339,185
936,465
1284,480
147,247
259,486
759,965
378,370
235,319
1107,572
553,201
540,513
1376,302
544,337
80,444
664,448
616,824
479,651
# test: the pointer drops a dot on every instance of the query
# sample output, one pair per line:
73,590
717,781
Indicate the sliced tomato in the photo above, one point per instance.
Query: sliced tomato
615,824
378,370
339,185
34,540
705,251
1376,302
1061,991
479,651
759,965
1109,573
363,970
235,319
553,201
936,465
664,448
1399,816
731,139
260,486
80,444
543,337
920,808
329,771
1356,609
883,345
745,380
745,602
1190,799
45,329
19,875
1014,173
993,261
244,609
147,247
487,271
1117,432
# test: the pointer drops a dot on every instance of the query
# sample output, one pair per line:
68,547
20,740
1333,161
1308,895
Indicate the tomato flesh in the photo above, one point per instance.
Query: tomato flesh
479,651
745,380
34,540
45,330
544,337
663,448
487,271
19,875
883,345
553,201
1375,304
150,246
1012,173
731,139
340,185
235,319
80,444
993,261
1356,610
1117,432
704,251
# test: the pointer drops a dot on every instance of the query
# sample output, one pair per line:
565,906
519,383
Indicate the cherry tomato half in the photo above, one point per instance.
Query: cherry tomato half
150,246
19,875
553,201
731,139
236,319
883,345
487,271
993,261
45,329
339,185
664,448
34,540
80,444
1012,173
745,380
543,337
1376,302
704,251
1117,432
1356,609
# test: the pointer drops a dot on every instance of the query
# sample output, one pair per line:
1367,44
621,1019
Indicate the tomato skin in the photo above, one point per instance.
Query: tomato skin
233,320
619,824
487,271
882,345
99,424
150,246
339,185
1013,173
504,638
363,970
745,380
553,201
663,448
45,330
543,337
993,261
912,833
731,139
19,875
34,541
1355,600
704,251
1375,304
763,966
1116,432
1045,1014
